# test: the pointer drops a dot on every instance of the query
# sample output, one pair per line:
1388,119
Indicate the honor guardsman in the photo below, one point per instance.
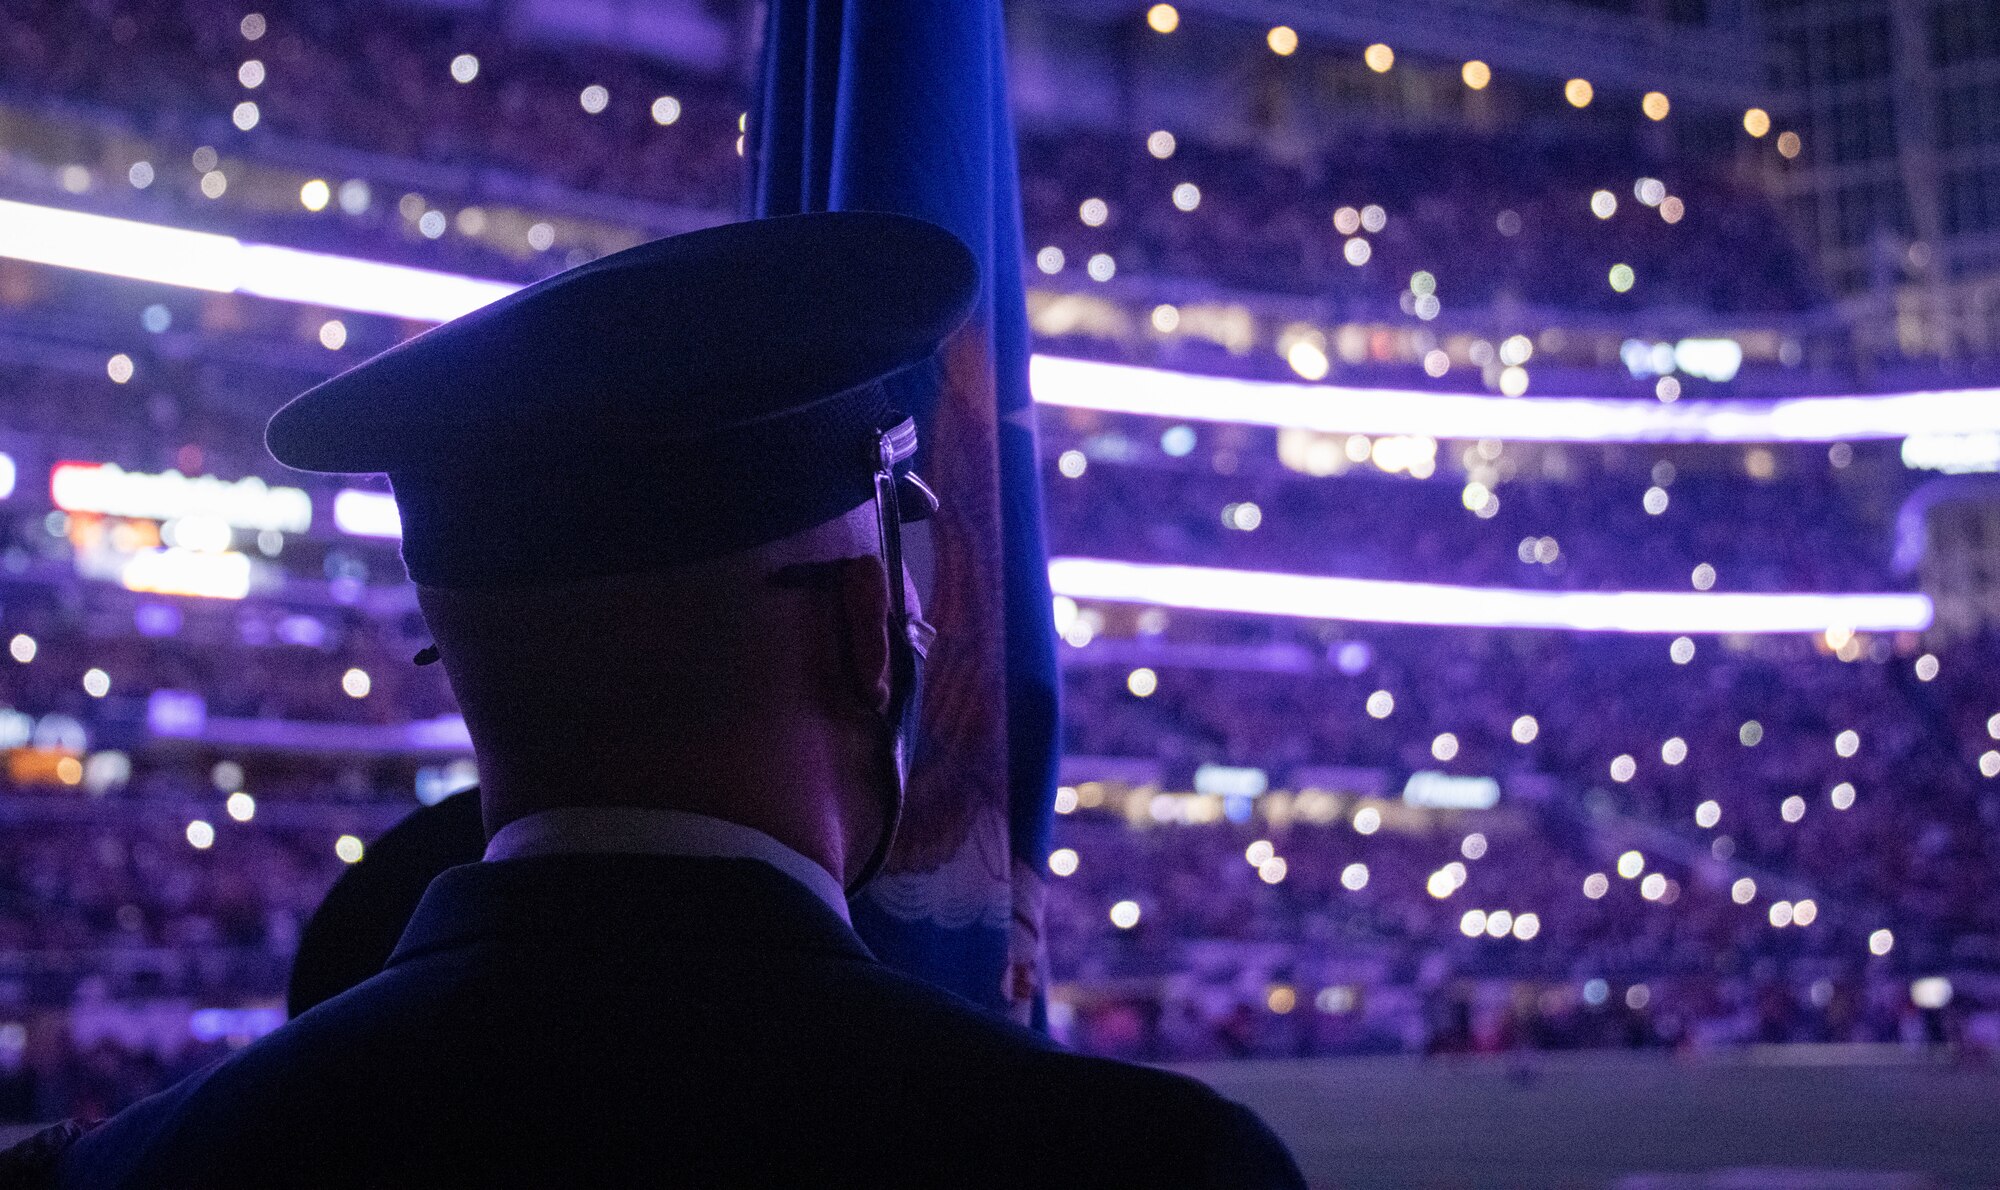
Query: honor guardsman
653,508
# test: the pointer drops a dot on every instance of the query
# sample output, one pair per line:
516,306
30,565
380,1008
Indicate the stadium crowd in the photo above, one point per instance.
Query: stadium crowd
1534,515
249,661
119,931
1168,939
1352,948
1645,525
1631,746
1349,948
1862,778
1492,219
379,78
115,933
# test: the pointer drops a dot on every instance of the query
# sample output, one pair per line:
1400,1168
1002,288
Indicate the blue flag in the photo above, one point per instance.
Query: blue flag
901,105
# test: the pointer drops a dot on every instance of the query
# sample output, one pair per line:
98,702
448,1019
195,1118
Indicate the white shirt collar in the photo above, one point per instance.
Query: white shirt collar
633,830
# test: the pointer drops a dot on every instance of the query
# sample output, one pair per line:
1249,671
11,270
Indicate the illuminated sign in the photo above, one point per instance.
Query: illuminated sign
1932,991
62,733
185,572
307,632
1643,359
1230,781
1710,359
176,712
45,752
1442,791
1953,454
367,514
105,771
110,490
42,766
1415,454
1316,453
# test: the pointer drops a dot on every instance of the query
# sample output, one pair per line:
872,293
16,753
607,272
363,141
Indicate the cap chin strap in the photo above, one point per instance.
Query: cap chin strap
909,641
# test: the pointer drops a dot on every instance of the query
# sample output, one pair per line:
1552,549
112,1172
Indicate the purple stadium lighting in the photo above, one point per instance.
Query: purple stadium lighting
1377,601
1334,409
223,264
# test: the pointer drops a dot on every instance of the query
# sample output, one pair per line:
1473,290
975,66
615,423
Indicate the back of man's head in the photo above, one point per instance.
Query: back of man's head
750,687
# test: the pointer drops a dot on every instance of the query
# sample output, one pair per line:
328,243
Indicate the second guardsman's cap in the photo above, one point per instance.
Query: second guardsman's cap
684,399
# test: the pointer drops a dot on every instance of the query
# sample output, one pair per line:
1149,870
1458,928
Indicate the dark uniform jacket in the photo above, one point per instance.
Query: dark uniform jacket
603,1021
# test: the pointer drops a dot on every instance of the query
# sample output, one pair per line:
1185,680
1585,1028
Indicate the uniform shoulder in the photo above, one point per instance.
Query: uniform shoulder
232,1113
1205,1138
113,1153
1120,1115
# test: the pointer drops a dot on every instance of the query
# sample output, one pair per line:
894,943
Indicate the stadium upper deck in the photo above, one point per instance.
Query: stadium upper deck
437,151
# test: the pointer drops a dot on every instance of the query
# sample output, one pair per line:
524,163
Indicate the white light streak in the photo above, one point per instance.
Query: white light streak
1338,409
1379,601
224,264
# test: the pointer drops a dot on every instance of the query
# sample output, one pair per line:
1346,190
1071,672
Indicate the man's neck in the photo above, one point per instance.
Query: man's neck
792,804
628,830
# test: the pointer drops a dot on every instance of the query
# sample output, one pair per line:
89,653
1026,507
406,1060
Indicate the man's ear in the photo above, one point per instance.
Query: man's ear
864,599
